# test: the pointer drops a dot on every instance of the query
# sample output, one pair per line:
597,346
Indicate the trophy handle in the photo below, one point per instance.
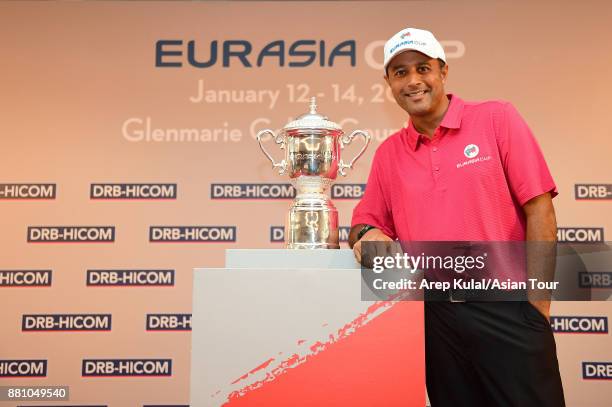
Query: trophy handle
346,140
282,166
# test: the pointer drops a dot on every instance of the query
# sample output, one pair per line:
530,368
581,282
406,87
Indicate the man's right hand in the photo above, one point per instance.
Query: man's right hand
373,235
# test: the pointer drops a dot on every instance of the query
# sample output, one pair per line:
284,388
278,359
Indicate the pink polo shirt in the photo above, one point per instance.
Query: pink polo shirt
468,182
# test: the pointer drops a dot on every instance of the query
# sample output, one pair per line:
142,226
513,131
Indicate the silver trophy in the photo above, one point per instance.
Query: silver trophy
312,147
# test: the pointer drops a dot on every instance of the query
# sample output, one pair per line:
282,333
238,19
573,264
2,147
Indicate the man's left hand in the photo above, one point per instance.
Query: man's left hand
543,306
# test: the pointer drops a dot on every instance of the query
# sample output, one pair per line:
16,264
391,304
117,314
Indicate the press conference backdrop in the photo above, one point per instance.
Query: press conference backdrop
129,158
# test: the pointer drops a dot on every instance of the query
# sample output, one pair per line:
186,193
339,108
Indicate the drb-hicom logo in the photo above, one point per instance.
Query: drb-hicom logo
277,234
579,325
71,234
580,235
595,279
27,191
25,278
66,322
133,191
168,322
343,232
126,367
278,191
124,278
347,191
252,191
193,234
597,370
23,368
596,192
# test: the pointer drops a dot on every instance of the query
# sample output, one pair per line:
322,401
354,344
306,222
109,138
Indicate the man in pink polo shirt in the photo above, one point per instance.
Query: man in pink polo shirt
464,171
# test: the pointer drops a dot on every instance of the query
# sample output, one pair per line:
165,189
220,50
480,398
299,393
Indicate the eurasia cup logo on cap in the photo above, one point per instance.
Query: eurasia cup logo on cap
413,39
471,150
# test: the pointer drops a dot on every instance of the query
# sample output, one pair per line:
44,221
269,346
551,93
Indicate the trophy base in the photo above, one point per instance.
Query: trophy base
312,223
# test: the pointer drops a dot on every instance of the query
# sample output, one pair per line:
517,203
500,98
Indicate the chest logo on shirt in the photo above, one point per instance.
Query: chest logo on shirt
471,150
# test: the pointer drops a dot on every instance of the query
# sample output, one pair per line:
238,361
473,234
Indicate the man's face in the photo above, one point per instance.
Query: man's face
417,82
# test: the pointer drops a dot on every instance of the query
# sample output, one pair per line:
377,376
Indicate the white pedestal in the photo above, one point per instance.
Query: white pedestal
273,319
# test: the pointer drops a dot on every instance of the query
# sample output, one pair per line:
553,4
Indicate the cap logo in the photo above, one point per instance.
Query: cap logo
406,34
406,43
471,150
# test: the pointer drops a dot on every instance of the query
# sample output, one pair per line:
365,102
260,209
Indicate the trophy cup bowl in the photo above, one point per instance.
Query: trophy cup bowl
312,160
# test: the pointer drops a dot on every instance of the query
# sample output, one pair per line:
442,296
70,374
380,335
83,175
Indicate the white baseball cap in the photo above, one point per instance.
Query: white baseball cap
413,39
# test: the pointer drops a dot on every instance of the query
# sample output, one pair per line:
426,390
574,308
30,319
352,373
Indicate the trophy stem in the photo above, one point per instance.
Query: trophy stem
312,222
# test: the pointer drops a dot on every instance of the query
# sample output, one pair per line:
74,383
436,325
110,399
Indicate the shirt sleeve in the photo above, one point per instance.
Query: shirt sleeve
373,208
526,171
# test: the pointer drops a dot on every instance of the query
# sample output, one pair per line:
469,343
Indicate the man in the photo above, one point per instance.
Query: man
465,171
